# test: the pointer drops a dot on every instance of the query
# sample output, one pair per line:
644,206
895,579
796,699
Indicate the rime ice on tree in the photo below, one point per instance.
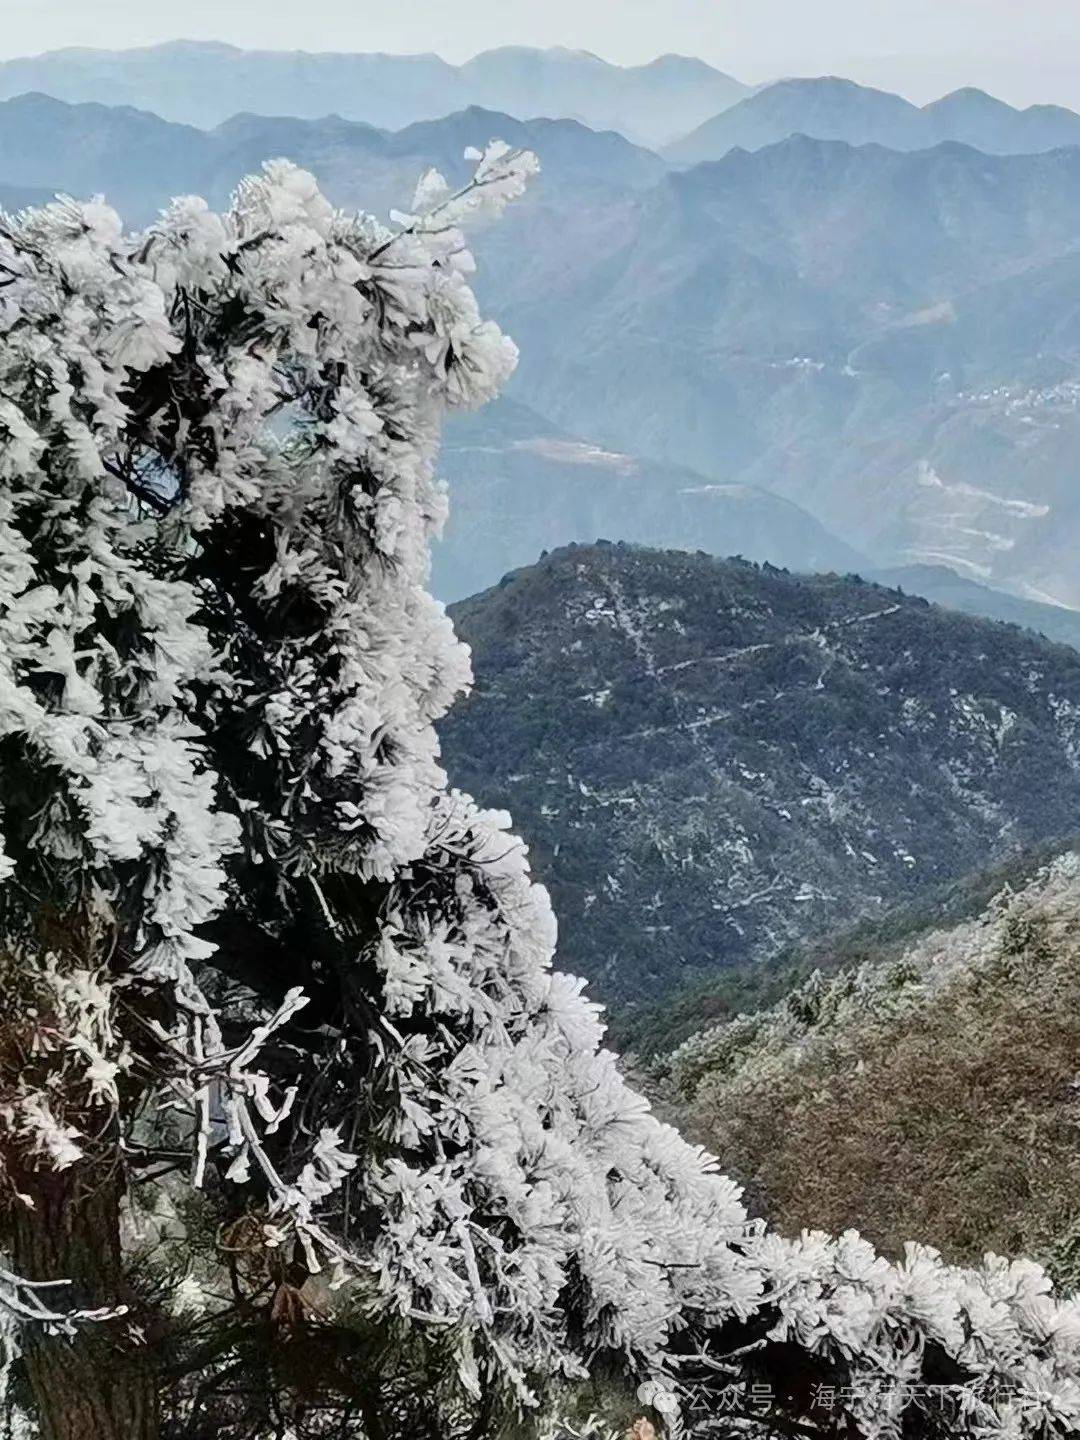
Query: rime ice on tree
236,883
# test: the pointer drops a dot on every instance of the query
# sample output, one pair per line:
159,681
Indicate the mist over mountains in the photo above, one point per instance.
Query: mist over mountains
693,110
519,486
140,161
889,340
203,84
885,339
829,108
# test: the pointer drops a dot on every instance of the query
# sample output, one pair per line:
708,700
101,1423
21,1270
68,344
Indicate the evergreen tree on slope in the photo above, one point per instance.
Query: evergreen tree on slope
245,919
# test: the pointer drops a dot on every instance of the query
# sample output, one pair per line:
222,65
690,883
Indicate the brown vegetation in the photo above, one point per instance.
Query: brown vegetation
954,1116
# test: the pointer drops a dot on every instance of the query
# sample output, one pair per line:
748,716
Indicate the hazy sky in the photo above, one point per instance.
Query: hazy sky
1024,50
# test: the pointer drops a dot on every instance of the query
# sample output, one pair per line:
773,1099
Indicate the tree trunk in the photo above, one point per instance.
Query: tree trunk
100,1384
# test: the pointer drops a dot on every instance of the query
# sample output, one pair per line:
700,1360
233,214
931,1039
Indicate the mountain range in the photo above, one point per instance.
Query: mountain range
694,110
889,341
711,760
203,84
829,108
139,161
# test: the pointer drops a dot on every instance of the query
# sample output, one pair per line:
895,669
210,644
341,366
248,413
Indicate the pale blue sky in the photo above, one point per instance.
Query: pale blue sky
1024,50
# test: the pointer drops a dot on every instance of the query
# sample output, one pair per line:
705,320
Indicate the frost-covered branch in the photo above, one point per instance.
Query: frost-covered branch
220,672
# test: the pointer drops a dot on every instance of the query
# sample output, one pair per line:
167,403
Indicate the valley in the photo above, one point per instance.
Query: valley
884,339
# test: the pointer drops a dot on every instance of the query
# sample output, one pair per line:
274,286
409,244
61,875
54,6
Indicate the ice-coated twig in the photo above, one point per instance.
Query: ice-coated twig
22,1299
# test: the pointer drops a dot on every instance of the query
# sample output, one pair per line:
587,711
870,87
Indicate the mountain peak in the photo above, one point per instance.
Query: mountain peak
971,96
830,107
818,83
682,65
540,53
38,105
194,47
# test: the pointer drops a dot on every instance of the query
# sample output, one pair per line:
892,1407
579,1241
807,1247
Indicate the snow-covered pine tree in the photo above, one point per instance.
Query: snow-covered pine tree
247,928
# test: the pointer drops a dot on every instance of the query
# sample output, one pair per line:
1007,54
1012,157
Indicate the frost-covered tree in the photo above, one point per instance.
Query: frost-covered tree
299,1128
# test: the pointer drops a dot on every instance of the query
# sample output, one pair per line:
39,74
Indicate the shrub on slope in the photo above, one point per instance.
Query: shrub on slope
933,1094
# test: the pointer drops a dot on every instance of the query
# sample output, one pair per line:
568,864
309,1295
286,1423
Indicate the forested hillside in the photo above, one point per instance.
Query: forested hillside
710,760
957,592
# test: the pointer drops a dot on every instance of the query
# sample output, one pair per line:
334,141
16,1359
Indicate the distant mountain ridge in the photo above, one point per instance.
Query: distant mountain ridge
519,486
943,586
140,161
831,108
889,339
204,83
712,760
